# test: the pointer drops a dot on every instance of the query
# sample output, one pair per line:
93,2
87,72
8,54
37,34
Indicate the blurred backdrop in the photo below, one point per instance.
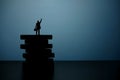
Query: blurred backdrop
81,29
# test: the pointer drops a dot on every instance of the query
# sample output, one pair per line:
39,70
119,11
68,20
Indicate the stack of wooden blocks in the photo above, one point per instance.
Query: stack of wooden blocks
37,47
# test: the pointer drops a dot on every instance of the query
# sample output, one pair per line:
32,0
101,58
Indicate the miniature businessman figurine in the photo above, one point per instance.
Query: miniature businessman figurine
38,27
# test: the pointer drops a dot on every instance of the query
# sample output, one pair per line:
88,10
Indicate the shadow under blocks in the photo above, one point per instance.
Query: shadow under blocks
39,62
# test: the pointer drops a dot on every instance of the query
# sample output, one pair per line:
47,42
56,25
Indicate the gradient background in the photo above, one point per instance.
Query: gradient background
81,29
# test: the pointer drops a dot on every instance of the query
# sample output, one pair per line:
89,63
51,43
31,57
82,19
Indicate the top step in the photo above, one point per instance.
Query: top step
35,37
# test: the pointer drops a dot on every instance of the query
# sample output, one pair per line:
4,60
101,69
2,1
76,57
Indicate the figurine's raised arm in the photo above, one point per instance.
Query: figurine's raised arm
40,20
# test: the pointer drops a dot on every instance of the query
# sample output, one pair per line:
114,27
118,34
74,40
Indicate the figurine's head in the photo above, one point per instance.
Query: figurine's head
37,21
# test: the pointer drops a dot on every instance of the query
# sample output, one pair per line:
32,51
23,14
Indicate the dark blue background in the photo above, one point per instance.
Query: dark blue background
81,29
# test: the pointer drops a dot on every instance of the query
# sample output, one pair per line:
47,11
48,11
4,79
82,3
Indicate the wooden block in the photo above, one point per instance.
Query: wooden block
25,46
34,37
38,42
38,56
31,51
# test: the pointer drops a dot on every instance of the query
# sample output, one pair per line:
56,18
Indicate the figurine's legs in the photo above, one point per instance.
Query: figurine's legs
38,32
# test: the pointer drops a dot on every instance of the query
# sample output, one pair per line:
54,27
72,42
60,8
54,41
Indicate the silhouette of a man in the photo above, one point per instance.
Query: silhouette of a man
38,27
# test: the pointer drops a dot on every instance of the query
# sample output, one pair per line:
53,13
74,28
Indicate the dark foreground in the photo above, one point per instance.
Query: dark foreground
61,70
